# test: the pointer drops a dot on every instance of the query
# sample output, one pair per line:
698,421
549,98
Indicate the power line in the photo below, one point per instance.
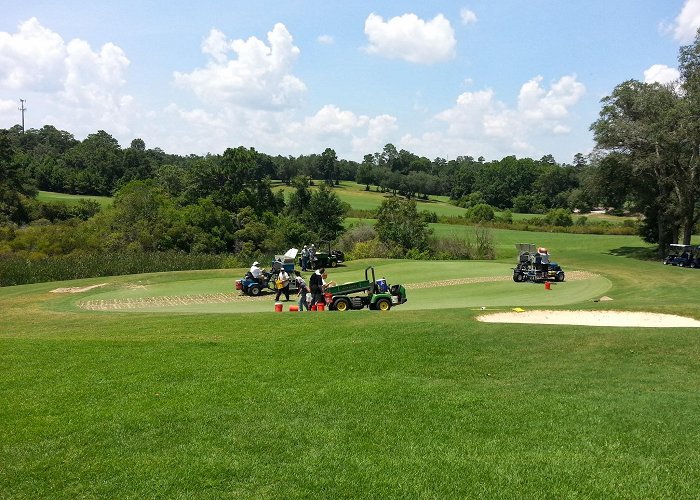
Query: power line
22,109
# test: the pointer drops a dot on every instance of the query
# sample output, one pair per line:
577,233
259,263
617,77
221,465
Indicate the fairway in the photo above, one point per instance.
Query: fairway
163,400
72,199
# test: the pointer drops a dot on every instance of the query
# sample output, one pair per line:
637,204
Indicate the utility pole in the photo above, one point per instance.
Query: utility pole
22,109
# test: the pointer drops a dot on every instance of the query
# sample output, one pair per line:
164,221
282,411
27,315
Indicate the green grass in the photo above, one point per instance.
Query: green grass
422,401
72,199
355,195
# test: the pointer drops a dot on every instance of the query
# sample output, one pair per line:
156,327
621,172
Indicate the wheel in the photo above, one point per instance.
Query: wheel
518,277
333,263
342,305
382,305
254,290
559,276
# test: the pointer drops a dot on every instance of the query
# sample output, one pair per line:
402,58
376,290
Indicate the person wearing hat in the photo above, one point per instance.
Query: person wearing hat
255,271
305,258
282,285
312,256
545,262
316,287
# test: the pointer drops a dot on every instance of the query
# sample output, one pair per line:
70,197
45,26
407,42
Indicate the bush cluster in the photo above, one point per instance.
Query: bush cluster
16,270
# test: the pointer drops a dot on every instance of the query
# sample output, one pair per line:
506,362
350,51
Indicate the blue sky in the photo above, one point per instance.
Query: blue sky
440,79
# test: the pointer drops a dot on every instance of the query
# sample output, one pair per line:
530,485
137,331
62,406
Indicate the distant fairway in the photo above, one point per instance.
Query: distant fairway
355,195
72,199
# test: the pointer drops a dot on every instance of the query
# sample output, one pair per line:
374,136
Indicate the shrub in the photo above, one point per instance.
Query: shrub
451,248
558,217
484,247
482,212
429,217
16,270
370,249
354,235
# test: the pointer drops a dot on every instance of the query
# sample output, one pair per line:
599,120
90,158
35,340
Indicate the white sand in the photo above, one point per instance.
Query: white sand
76,289
592,318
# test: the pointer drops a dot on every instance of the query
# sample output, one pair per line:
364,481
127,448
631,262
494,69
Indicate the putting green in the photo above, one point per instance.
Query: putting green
430,285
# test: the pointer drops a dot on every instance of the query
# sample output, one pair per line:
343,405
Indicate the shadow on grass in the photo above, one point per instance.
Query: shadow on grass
639,253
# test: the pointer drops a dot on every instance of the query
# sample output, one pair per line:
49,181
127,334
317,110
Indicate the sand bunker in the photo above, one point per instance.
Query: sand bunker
76,289
592,318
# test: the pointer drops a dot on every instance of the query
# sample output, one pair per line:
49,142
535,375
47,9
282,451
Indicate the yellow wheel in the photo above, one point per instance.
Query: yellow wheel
383,305
342,305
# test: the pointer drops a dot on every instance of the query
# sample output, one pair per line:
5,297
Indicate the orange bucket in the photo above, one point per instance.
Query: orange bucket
320,306
278,307
293,308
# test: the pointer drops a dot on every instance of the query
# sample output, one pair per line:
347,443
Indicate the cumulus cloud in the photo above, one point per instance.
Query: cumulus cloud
326,39
259,76
479,122
410,38
467,16
276,131
62,75
660,73
687,22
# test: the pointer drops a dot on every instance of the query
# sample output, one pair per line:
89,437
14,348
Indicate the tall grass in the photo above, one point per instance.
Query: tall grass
16,270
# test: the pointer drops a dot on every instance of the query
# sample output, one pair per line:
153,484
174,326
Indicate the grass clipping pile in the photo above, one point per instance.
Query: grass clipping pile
593,318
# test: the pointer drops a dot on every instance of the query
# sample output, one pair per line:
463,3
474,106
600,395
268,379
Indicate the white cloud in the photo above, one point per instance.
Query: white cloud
467,16
273,131
326,39
687,22
71,84
480,124
410,38
7,105
258,77
537,105
660,73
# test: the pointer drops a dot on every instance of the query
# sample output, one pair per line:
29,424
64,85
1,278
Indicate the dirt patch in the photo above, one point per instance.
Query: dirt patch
150,302
77,289
593,318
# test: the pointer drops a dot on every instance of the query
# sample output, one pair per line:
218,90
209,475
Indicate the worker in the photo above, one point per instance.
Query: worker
305,258
255,271
316,287
302,292
545,262
282,285
312,256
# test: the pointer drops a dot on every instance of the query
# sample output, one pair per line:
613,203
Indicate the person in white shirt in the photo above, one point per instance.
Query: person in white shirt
283,287
255,271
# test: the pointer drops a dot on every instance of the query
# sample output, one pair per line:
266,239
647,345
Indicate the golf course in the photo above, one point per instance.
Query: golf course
174,385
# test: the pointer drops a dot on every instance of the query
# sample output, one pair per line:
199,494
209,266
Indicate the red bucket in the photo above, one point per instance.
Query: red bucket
293,308
313,307
278,307
547,285
320,306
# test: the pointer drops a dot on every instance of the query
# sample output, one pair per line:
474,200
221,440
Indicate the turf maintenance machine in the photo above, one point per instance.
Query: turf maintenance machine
255,287
374,294
531,268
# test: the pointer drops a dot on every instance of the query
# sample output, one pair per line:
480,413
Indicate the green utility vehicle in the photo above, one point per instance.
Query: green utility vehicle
370,292
325,259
